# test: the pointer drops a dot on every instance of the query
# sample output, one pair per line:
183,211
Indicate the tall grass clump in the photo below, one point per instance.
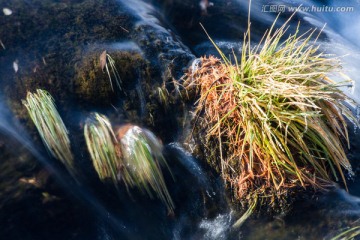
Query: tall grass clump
143,158
52,130
273,119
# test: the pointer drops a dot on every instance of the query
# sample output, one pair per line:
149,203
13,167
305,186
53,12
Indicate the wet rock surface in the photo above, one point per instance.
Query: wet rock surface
53,46
56,45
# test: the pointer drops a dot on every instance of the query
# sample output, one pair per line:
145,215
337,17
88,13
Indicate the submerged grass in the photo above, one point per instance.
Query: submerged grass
133,156
101,143
42,110
347,234
143,158
274,117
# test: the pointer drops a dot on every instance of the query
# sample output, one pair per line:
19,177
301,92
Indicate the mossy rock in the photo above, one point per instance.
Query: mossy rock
92,84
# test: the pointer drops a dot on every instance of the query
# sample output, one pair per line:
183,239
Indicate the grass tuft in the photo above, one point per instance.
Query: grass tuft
143,158
163,96
273,114
102,146
133,155
107,62
42,111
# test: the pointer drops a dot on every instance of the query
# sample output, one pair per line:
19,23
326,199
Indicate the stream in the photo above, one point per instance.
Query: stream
54,44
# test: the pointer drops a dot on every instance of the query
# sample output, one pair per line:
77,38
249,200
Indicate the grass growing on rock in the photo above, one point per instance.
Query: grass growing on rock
102,146
52,130
107,62
273,118
143,158
133,155
99,83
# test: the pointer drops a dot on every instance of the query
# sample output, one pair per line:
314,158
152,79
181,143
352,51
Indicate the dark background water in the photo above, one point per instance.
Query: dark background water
53,43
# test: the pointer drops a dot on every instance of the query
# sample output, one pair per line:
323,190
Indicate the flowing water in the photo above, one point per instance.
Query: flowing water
52,43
